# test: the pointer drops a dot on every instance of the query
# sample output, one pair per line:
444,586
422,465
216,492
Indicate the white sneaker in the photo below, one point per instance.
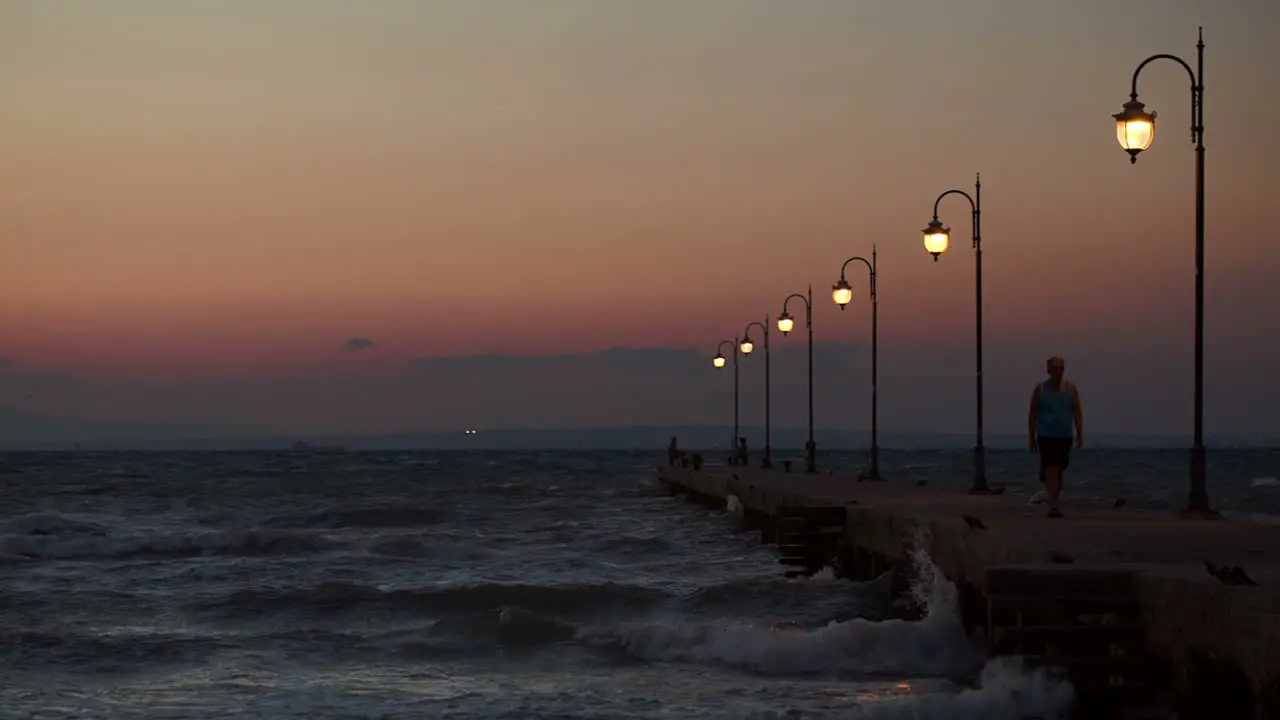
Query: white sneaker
1039,498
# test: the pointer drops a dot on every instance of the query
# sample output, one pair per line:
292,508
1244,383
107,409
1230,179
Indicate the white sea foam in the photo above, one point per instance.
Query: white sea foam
1006,691
733,505
1265,482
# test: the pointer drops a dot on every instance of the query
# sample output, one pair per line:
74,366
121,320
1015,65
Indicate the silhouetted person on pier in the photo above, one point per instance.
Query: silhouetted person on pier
673,452
811,457
1055,412
742,453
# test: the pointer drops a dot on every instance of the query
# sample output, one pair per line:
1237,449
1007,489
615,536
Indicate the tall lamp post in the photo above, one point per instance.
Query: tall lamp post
937,239
785,325
1136,129
719,362
747,347
842,294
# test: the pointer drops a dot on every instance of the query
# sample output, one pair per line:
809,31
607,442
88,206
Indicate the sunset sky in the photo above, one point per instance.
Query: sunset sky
227,191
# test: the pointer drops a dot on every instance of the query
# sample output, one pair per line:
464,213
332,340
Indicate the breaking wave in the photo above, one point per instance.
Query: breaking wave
561,601
934,646
390,516
55,536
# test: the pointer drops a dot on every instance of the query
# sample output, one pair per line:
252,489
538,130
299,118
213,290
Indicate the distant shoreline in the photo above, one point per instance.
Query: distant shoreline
707,439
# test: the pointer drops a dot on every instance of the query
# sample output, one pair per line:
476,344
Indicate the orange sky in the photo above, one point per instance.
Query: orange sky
245,185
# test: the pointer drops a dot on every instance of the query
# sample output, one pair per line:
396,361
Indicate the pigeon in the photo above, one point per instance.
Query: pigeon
1233,575
1119,503
973,522
920,483
1222,574
1239,576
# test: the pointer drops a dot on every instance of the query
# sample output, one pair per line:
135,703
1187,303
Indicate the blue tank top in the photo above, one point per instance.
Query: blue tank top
1055,416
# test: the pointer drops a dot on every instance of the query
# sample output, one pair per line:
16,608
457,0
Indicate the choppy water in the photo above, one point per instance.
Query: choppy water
463,585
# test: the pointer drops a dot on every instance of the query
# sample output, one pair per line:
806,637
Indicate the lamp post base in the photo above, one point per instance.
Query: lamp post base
980,486
872,473
1198,499
1204,514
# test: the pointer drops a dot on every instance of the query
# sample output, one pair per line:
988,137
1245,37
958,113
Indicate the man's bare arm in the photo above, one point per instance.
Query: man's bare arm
1078,411
1031,415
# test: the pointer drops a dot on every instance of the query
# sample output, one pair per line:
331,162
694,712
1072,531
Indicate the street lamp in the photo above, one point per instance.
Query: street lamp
719,362
747,347
786,323
842,294
937,238
1136,130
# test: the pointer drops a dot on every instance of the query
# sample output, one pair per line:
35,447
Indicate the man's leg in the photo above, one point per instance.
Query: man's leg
1053,452
1053,484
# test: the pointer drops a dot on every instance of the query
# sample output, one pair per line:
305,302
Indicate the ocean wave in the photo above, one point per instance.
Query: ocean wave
77,546
385,516
934,646
553,601
930,648
400,546
50,522
633,545
107,651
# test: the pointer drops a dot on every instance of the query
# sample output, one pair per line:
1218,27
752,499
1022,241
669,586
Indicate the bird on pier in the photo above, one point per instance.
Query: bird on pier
920,483
1233,575
1119,503
1222,574
973,522
1240,577
1060,557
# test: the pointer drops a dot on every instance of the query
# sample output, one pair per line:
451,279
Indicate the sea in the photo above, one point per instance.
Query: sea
488,585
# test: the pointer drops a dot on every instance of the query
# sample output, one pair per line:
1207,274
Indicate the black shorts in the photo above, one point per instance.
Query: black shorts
1054,452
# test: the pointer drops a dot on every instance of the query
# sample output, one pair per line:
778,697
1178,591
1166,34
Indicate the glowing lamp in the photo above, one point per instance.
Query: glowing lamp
718,360
747,346
786,323
842,293
936,239
1135,128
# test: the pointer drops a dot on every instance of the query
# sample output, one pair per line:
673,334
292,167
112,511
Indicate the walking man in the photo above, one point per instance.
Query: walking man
1055,412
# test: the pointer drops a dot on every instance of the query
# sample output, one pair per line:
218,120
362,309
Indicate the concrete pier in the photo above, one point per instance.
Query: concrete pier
1217,646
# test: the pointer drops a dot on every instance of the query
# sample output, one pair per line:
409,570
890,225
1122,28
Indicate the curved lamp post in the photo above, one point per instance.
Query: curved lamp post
842,294
937,238
719,361
747,347
1136,129
786,323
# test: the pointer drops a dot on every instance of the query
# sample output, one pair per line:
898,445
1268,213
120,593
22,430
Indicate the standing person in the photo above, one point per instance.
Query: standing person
673,452
1055,412
742,451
